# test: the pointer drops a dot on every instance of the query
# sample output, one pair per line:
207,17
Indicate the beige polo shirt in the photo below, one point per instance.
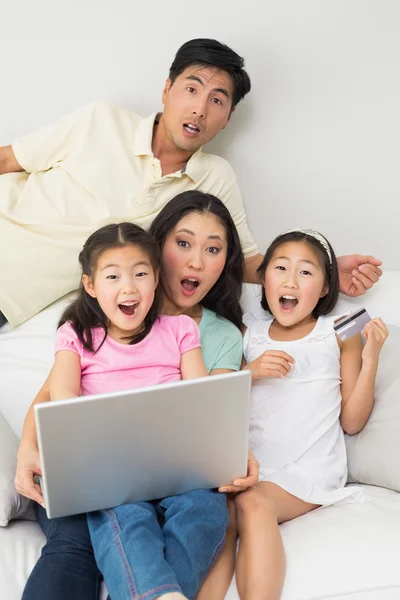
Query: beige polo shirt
95,166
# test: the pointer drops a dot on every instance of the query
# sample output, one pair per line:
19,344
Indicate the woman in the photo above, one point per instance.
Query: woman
202,270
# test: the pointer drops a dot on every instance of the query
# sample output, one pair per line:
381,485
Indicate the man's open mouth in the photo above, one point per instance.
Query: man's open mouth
190,128
288,303
128,308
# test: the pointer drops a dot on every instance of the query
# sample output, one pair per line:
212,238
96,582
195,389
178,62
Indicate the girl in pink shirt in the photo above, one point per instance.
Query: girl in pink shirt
112,338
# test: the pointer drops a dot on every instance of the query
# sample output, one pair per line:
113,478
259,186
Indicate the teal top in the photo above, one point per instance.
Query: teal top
221,342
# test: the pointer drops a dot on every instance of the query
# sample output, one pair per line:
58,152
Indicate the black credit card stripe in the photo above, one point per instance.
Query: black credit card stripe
349,319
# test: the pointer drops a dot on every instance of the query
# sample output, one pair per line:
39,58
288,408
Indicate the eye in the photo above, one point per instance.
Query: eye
213,250
141,274
183,244
306,273
280,268
112,277
190,89
216,101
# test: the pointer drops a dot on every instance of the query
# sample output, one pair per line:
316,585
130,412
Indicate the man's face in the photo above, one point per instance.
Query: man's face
196,106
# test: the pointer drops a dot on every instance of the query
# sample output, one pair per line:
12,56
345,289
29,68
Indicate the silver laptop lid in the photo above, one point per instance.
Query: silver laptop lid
109,449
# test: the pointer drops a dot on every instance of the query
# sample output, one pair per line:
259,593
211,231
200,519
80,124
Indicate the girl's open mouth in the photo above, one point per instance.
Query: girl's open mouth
128,308
288,303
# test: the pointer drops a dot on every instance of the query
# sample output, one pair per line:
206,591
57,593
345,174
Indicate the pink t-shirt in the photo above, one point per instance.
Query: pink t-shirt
116,366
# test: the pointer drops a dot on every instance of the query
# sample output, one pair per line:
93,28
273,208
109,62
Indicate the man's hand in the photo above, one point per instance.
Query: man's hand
8,161
28,466
239,485
357,273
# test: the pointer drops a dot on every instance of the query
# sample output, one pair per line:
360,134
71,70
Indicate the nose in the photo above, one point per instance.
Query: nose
291,281
129,286
195,260
200,107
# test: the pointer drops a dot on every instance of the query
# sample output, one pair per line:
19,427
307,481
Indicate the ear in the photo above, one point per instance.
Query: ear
229,118
88,285
325,290
166,89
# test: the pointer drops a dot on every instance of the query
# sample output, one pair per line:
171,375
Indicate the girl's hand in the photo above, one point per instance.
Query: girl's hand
375,333
239,485
272,363
28,465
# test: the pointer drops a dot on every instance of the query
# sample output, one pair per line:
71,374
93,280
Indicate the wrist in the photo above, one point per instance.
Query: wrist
370,365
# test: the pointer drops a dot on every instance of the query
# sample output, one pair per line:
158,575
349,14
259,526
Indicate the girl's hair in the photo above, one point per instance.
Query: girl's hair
327,303
224,296
85,312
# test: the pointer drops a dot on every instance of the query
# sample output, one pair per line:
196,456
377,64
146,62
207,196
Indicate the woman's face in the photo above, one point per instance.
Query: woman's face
193,258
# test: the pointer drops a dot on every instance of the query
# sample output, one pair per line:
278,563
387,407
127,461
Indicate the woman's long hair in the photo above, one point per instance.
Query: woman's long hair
224,296
85,313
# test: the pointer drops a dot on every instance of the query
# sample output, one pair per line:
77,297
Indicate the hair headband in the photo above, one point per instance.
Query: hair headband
318,236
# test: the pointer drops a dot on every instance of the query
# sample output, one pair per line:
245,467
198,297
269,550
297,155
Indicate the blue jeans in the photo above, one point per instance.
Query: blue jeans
66,569
146,549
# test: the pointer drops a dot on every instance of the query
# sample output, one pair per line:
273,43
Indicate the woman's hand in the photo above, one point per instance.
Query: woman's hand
375,333
239,485
28,465
272,363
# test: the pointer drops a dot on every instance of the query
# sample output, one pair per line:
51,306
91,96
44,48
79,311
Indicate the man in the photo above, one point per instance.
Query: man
103,164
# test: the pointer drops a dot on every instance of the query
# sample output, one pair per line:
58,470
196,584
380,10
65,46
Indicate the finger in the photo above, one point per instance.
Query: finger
34,493
379,323
363,279
280,354
249,481
363,258
373,273
277,369
230,489
273,361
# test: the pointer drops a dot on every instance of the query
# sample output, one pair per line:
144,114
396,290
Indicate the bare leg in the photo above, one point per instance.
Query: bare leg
260,566
218,579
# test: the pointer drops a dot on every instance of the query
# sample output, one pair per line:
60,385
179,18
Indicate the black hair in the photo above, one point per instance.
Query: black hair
224,296
327,303
84,313
211,53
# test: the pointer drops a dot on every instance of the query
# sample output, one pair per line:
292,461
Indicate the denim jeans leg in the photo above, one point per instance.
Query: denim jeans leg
129,548
66,569
194,534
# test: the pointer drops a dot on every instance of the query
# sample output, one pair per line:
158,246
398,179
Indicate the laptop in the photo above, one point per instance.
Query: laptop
104,450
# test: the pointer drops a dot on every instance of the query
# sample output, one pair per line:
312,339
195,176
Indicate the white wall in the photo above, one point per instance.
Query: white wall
315,144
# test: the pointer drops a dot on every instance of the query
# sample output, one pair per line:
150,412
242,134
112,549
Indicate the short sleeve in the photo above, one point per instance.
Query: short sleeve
188,334
50,145
232,199
230,354
67,339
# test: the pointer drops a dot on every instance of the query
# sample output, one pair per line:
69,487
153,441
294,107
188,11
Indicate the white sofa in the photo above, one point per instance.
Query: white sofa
350,551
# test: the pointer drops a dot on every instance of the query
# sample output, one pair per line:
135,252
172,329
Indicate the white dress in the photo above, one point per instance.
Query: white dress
295,432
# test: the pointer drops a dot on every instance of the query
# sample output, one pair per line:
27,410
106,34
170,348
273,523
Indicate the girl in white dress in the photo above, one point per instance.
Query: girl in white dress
308,387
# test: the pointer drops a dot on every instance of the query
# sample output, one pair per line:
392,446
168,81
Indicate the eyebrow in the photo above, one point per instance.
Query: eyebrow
310,262
209,237
220,90
141,262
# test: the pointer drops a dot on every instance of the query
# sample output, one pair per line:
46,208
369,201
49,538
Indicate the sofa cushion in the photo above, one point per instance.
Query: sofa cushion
344,552
12,504
374,454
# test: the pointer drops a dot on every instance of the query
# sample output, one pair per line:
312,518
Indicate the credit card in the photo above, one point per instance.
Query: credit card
352,324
